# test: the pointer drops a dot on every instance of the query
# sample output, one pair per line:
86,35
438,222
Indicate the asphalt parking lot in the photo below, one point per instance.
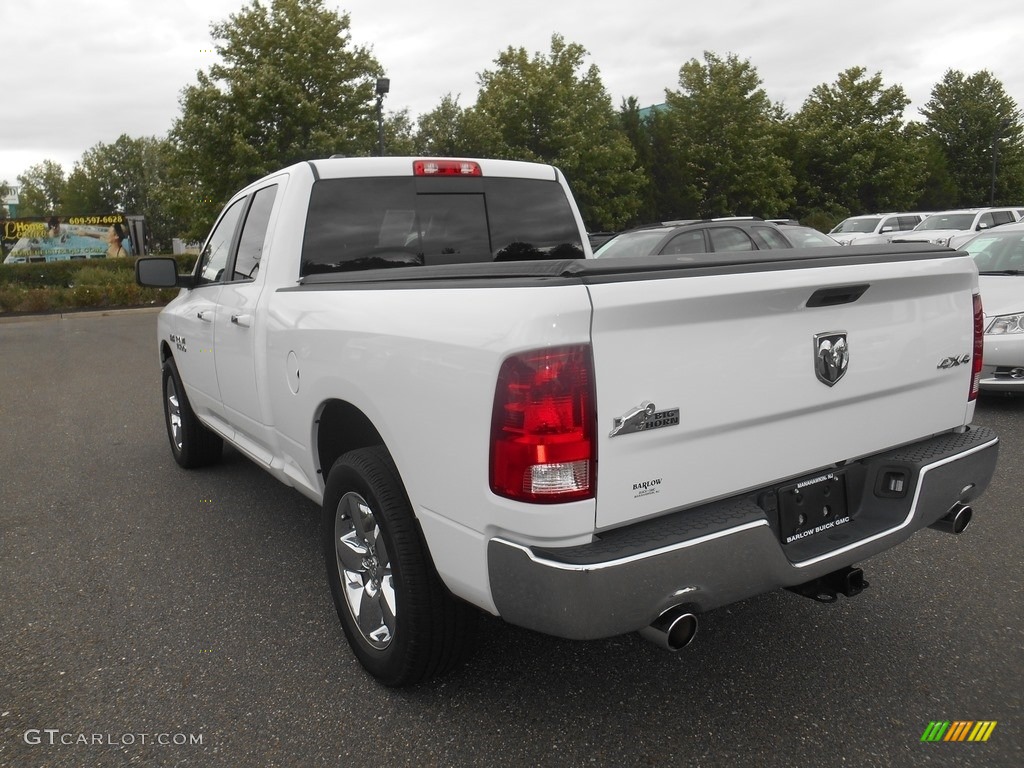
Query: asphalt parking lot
153,616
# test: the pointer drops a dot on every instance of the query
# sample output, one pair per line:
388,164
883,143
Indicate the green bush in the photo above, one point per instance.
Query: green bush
99,276
79,284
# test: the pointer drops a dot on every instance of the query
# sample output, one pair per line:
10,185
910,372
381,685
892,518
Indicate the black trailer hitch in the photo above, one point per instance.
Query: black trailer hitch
847,581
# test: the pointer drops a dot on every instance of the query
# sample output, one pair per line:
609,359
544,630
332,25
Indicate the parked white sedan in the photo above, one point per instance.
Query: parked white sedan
1000,258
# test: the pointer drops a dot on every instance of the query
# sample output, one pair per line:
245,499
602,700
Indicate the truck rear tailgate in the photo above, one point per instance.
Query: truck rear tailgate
743,378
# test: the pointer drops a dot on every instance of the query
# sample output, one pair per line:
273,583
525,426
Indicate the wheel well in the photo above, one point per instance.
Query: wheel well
342,428
165,352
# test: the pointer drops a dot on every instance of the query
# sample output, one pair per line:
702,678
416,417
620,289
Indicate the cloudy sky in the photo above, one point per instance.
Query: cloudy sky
78,73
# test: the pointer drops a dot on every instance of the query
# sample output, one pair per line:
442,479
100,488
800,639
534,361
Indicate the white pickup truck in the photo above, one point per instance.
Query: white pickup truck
491,419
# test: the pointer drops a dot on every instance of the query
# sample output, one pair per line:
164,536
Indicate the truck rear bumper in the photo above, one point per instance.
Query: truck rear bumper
729,550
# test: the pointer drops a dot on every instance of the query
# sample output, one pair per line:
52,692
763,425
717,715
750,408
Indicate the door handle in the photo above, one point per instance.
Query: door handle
205,315
243,320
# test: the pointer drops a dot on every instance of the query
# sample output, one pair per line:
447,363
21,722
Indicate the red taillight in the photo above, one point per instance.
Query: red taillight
542,426
446,168
979,347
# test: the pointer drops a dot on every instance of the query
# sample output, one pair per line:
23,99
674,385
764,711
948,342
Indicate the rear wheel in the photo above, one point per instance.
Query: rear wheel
400,620
192,444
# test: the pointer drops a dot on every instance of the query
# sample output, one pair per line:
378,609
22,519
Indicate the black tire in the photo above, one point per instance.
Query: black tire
400,620
192,444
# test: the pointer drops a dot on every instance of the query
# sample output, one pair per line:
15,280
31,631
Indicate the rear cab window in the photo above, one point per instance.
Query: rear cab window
371,223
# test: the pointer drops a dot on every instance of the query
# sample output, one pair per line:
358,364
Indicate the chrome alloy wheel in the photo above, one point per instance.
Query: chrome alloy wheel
174,415
364,568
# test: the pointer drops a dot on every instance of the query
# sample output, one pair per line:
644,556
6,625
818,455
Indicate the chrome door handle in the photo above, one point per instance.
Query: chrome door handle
205,315
243,320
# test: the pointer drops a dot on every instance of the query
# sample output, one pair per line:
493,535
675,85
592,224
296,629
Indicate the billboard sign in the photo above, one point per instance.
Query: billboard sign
53,238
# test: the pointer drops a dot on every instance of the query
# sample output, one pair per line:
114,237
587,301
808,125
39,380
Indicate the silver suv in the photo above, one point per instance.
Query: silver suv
877,226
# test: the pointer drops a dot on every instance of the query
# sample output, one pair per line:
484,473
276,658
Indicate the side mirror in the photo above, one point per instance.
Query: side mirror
160,272
982,226
887,229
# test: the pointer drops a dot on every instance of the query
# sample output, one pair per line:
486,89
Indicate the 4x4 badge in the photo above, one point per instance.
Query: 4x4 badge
831,356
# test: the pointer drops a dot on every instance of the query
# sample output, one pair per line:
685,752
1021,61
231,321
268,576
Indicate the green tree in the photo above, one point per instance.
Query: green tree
724,142
440,131
290,86
551,108
43,188
975,123
938,189
130,176
637,129
854,154
114,177
399,136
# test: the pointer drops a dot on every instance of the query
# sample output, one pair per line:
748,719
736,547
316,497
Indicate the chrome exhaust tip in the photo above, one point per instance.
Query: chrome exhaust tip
955,521
673,630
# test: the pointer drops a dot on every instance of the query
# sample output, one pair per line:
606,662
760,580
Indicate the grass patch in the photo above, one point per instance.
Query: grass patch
59,286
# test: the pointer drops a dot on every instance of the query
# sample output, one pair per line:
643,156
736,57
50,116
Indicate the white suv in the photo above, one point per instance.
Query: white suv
946,228
877,226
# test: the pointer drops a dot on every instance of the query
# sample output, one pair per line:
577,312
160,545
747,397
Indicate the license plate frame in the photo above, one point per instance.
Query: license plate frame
812,507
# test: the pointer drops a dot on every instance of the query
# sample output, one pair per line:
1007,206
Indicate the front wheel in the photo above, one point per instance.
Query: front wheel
400,620
192,444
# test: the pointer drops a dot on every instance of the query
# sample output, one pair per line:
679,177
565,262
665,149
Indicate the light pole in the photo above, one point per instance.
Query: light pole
383,86
1001,126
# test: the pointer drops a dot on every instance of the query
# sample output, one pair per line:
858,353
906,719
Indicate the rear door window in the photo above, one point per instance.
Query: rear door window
254,233
686,242
770,238
730,239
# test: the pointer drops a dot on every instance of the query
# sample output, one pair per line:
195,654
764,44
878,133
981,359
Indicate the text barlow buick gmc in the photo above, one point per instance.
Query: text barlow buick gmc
492,419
